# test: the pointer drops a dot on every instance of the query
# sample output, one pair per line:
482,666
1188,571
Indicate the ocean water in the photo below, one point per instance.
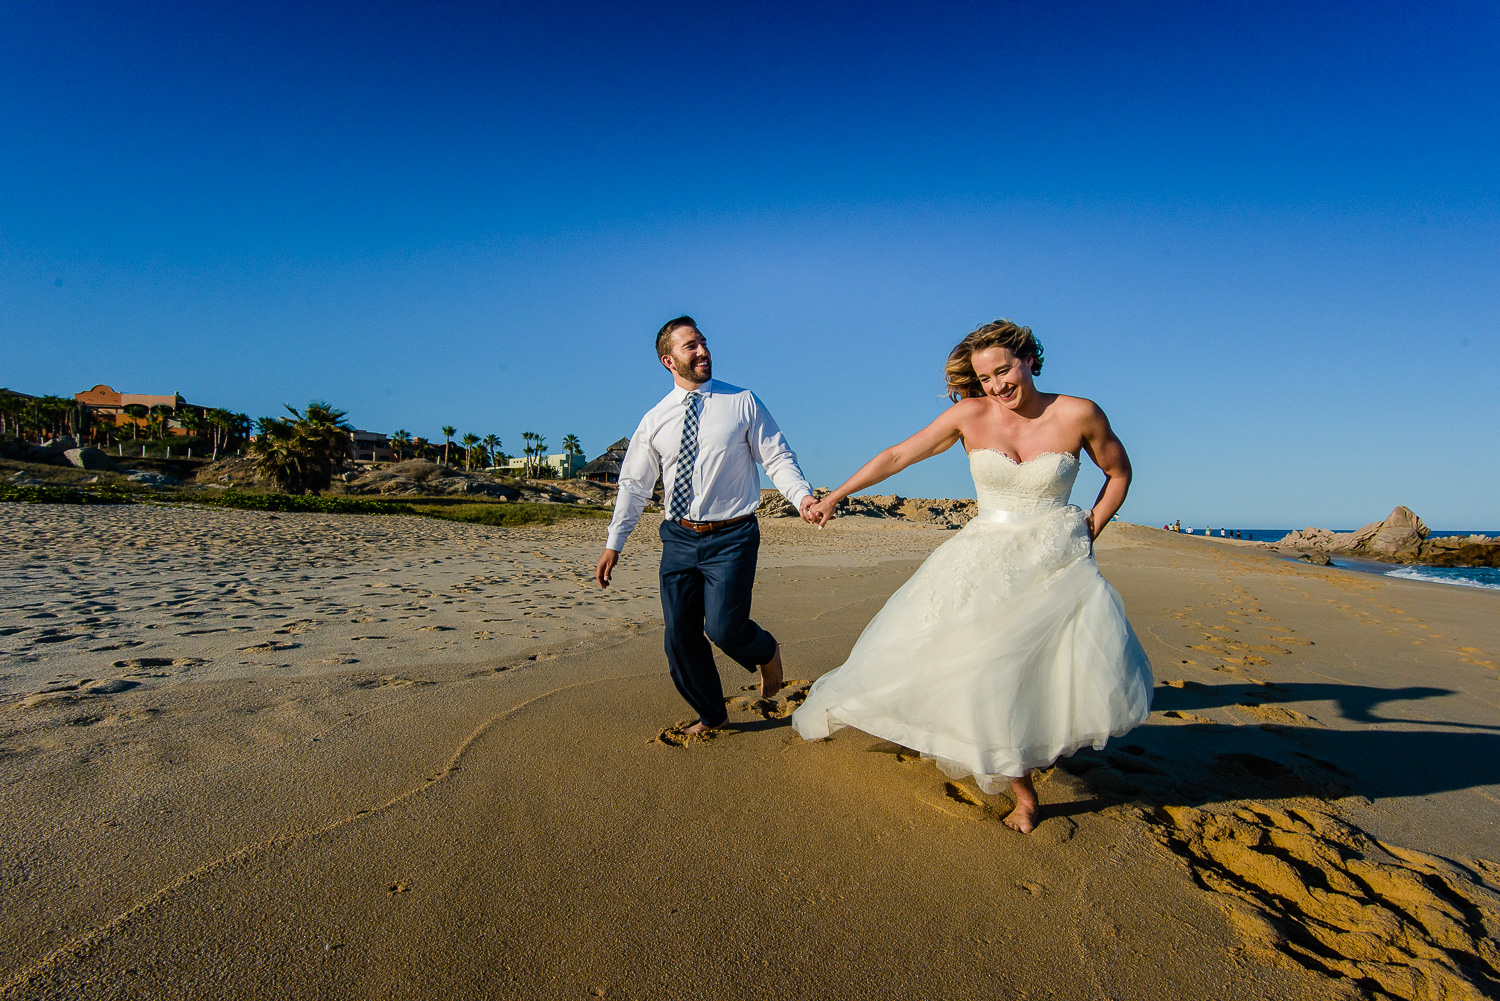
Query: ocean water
1488,577
1485,577
1277,534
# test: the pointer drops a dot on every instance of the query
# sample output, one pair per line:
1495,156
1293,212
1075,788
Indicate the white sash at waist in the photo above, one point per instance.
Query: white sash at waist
1012,517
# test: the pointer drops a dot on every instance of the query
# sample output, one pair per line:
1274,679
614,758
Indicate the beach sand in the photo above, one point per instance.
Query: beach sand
245,755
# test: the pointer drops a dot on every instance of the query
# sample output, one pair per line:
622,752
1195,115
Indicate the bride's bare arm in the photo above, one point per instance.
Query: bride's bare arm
1109,455
939,436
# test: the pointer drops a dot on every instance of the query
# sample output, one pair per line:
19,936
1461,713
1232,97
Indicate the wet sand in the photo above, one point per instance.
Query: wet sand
323,756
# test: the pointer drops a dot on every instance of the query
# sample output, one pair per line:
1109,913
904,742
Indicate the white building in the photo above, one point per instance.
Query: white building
561,465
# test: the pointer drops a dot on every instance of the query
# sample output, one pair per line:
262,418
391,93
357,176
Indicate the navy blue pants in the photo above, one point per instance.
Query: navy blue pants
705,588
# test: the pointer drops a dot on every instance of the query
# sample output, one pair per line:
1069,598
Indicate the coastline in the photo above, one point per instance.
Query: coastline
460,816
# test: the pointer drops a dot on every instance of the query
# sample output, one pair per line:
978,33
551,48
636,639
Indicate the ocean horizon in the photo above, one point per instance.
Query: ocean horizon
1481,577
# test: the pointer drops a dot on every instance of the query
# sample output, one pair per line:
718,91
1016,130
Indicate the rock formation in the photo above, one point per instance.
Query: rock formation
1400,538
90,458
942,512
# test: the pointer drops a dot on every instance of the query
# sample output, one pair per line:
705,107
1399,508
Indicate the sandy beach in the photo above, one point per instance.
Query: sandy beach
246,755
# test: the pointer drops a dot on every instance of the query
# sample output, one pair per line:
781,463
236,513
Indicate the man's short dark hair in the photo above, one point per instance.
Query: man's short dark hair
664,335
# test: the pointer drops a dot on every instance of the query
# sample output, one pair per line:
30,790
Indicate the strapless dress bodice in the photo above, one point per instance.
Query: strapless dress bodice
1040,484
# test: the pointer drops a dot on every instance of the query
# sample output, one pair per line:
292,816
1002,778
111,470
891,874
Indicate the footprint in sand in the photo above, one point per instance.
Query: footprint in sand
1276,714
674,736
1306,889
782,705
149,667
1186,717
272,645
78,691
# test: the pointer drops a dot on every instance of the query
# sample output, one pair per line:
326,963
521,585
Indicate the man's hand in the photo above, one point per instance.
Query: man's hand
820,512
805,509
606,568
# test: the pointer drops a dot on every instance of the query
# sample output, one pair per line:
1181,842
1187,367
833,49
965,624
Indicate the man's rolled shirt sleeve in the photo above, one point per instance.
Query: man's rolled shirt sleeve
770,449
638,472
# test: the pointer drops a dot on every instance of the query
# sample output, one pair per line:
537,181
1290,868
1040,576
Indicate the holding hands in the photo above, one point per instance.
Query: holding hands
819,512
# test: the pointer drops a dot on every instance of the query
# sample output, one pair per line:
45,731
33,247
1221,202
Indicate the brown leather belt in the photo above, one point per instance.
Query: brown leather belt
704,527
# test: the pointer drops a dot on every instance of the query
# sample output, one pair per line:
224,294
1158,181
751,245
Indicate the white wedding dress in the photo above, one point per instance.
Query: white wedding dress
1006,650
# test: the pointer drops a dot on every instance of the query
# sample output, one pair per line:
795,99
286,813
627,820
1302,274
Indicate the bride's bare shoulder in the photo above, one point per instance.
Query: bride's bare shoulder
1076,407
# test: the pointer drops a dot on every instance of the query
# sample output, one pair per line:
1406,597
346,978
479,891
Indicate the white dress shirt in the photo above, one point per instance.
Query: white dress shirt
735,431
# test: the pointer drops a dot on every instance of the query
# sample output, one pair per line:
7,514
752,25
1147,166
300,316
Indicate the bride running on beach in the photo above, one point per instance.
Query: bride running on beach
1006,650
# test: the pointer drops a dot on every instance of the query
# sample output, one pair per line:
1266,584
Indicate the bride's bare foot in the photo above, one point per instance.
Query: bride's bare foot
1028,808
770,675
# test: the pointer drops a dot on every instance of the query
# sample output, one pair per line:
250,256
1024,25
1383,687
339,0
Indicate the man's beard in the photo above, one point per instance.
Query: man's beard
686,370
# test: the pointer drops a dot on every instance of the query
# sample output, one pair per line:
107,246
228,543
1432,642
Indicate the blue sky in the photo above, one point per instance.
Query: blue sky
1264,237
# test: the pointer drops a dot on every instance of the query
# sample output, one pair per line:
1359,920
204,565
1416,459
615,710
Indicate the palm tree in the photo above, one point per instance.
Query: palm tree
469,441
536,447
160,420
419,446
192,422
571,446
239,427
448,432
491,444
136,412
11,405
401,438
301,453
220,421
52,413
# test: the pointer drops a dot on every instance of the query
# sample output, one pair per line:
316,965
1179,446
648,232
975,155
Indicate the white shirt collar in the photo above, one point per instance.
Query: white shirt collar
678,393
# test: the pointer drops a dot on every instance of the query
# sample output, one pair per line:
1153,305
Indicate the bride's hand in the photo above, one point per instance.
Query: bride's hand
821,512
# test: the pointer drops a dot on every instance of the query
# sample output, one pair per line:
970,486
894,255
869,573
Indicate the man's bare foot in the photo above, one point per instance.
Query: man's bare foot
770,675
1028,808
700,727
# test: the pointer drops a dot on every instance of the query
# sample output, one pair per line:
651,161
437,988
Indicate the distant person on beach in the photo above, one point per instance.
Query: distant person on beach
705,438
1006,650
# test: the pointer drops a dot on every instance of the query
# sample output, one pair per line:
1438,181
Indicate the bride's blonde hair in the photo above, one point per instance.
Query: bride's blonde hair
1018,340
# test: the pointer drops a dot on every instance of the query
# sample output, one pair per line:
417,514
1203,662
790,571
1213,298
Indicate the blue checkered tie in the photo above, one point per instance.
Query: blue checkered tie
687,457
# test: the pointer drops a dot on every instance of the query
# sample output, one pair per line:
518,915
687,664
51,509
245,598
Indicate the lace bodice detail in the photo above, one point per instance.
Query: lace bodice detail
1039,484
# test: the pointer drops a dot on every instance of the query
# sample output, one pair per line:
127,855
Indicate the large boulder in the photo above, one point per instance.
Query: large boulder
90,458
54,446
152,479
1399,536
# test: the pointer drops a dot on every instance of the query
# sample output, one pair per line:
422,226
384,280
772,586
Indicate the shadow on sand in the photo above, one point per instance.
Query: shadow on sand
1189,760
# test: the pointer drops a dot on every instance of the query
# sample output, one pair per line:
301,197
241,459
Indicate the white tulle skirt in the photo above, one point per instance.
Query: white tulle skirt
1005,650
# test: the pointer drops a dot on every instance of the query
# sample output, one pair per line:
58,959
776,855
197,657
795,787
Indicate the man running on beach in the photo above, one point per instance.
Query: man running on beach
705,438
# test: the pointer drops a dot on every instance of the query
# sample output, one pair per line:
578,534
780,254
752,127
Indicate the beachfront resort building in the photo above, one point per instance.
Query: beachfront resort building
606,468
562,465
116,408
370,446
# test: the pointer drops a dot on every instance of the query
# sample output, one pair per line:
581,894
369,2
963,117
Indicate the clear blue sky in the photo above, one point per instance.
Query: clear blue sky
1264,237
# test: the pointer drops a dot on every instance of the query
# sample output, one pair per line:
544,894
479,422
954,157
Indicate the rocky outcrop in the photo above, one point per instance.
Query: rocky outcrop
1467,553
95,459
1400,538
940,512
423,478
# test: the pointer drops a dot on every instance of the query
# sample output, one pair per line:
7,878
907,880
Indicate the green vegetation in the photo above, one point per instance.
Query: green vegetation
506,515
499,515
300,454
246,501
39,493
